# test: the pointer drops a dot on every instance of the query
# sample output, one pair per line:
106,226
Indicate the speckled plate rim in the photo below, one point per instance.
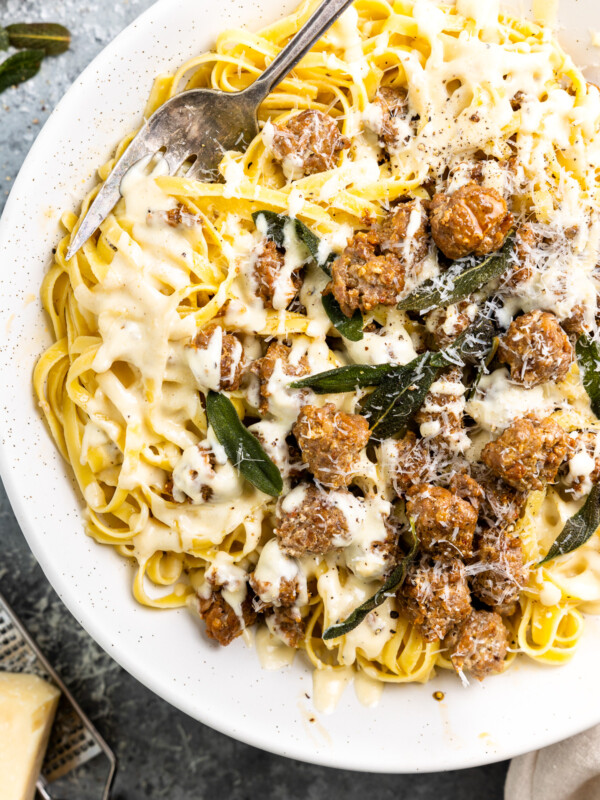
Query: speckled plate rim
225,689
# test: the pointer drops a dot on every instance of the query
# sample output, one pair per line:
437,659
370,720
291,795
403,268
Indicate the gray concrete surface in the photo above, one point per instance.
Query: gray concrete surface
163,754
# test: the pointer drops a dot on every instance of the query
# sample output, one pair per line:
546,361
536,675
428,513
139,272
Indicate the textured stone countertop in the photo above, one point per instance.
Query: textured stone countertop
162,752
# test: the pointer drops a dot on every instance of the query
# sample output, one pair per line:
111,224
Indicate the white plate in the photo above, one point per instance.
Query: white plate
225,688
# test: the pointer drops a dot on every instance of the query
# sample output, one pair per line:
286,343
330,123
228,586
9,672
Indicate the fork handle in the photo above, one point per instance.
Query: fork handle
325,15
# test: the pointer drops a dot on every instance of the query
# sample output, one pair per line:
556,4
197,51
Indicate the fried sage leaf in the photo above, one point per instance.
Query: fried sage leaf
578,529
20,67
50,37
392,405
242,448
588,358
393,583
276,230
4,40
350,328
464,277
346,379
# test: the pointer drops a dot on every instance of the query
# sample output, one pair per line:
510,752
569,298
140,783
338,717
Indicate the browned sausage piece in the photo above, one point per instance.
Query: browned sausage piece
307,143
231,356
371,270
528,454
467,488
362,278
584,460
408,462
445,324
265,366
478,644
441,417
444,522
525,241
472,220
314,526
501,504
392,106
222,623
287,623
268,269
330,441
435,595
536,348
498,570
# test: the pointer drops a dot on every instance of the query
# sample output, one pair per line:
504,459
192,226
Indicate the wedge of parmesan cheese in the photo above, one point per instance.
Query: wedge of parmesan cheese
27,708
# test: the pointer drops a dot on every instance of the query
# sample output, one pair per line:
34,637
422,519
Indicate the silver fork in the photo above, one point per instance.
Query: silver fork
204,123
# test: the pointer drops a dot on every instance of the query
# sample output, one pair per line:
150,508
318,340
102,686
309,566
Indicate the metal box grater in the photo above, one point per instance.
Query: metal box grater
74,741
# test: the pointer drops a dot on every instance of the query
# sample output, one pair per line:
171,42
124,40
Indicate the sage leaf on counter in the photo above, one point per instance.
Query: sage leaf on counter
20,67
242,448
578,529
588,358
50,37
346,379
4,40
461,279
350,327
393,583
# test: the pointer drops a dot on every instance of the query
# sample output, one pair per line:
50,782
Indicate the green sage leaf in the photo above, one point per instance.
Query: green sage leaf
346,379
50,37
242,448
20,67
393,583
588,358
396,400
350,327
578,529
4,40
276,230
464,277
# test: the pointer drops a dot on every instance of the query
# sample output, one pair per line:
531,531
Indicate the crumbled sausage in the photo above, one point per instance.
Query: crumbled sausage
583,460
330,441
575,324
467,488
392,123
441,417
501,504
435,595
472,220
232,356
371,270
307,143
528,454
408,462
315,526
362,278
444,522
478,644
287,623
289,590
498,570
536,348
445,324
405,233
265,366
222,623
270,278
525,241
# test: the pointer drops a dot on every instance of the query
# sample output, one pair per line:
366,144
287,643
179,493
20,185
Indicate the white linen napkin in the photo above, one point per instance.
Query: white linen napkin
569,770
